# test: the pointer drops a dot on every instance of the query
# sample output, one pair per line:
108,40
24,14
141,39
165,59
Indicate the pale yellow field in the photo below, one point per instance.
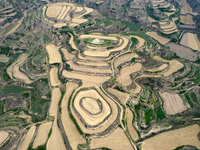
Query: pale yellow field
124,58
79,20
53,10
186,7
14,72
94,36
173,104
174,66
88,10
3,136
61,12
160,68
141,41
27,139
54,77
71,42
85,63
151,19
54,55
72,25
160,39
188,19
91,105
193,41
70,129
78,9
169,13
88,69
55,141
97,53
59,25
66,12
55,98
117,140
44,9
173,139
92,120
87,79
125,72
123,97
67,55
42,134
129,118
106,124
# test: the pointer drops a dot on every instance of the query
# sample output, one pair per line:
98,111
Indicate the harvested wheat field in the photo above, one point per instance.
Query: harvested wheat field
87,79
4,58
61,12
42,134
54,54
3,136
151,19
94,36
70,129
129,119
173,104
174,66
53,10
87,69
55,98
92,63
67,55
71,42
27,139
159,38
54,77
117,140
141,41
188,19
125,72
14,72
160,68
185,7
123,97
60,25
124,58
96,114
55,141
173,139
96,53
106,123
194,41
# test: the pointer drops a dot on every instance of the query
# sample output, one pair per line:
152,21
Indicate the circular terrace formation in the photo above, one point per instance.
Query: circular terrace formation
63,14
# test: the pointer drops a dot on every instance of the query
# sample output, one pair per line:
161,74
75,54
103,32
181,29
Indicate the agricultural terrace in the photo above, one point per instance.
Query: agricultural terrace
173,139
173,103
63,14
160,39
191,40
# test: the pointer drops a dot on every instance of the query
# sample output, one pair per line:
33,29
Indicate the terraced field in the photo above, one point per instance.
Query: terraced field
85,85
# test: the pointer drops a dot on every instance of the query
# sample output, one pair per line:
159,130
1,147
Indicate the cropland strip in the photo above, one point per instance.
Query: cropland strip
14,72
191,40
42,134
60,25
3,136
70,129
55,141
173,139
54,77
174,66
160,39
125,72
67,55
53,10
124,58
160,68
55,98
27,139
54,55
173,103
91,119
188,19
87,79
129,118
123,97
140,43
117,140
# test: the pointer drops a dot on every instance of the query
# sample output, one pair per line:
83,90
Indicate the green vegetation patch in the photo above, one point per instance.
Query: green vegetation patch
159,113
131,26
107,23
13,89
194,97
46,39
134,41
189,100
